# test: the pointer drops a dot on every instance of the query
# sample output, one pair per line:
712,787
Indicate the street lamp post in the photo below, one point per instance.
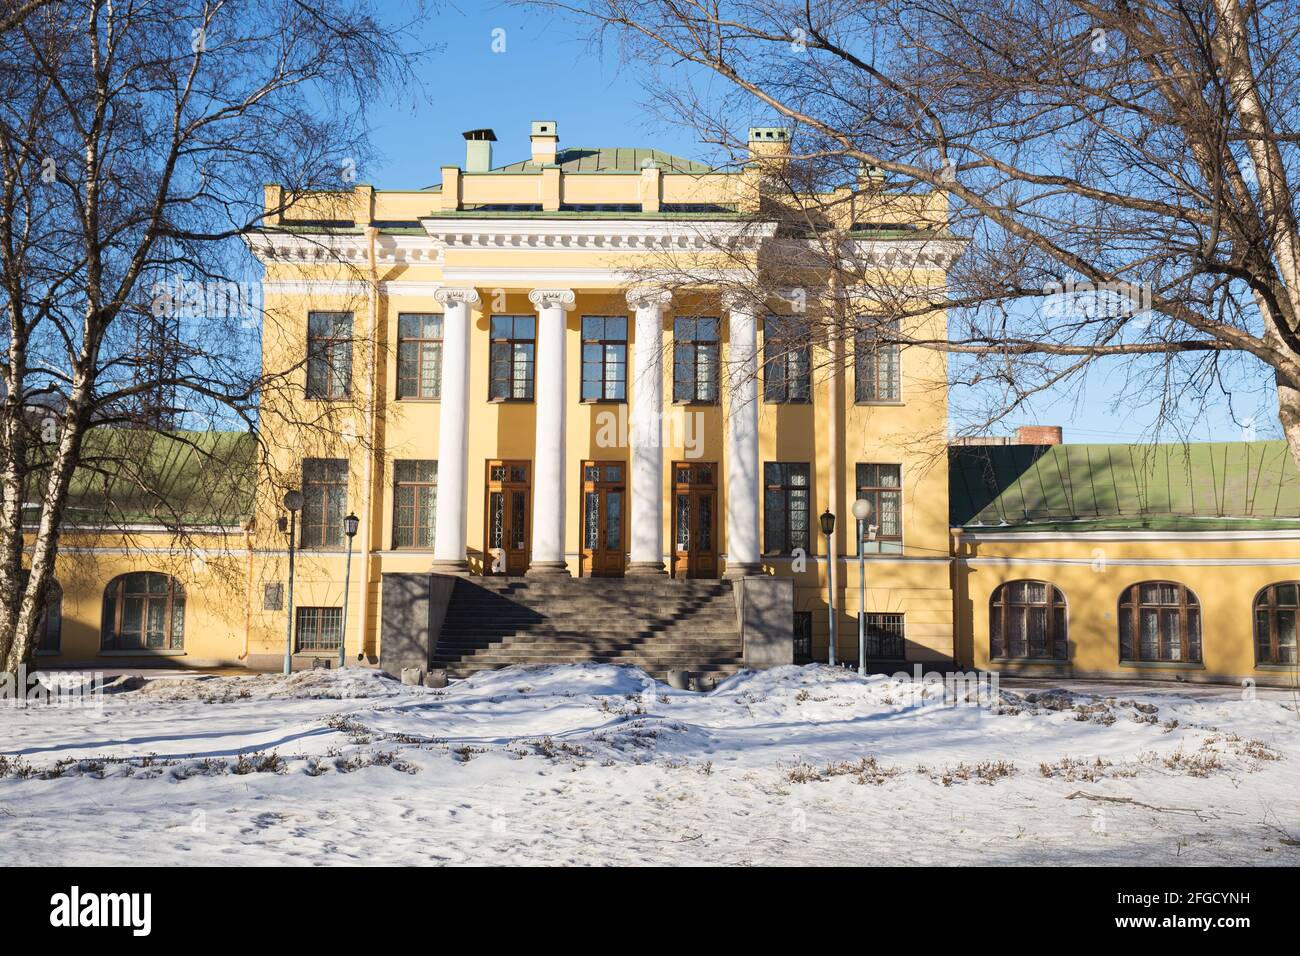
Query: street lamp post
828,529
292,504
862,511
350,529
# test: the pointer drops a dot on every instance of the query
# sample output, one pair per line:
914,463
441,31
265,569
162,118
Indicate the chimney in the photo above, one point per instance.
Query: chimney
1039,435
769,142
870,178
545,137
478,150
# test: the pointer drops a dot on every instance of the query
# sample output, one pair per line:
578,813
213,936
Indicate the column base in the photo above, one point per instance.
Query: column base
445,566
544,569
637,569
740,569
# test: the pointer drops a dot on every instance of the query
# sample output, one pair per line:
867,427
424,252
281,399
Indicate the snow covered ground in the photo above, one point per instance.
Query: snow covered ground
596,764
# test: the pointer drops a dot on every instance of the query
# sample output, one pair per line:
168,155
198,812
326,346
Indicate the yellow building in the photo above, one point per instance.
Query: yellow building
562,368
1149,561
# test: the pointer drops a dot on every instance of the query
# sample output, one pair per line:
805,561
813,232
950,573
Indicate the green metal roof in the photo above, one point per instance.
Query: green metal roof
617,159
1195,486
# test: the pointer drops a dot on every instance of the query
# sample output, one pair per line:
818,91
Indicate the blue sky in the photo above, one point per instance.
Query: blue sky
548,71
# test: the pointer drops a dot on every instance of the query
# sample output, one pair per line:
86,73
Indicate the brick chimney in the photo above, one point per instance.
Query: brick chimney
1039,435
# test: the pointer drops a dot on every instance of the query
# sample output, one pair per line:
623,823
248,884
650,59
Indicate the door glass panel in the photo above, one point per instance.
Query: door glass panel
496,525
683,522
591,522
517,509
705,530
614,521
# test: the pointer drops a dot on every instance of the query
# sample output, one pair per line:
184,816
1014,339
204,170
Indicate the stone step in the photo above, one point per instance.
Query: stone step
605,630
665,659
548,647
658,624
711,676
576,642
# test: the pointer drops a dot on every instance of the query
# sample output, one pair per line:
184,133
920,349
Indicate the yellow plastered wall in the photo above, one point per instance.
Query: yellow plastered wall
1225,575
212,568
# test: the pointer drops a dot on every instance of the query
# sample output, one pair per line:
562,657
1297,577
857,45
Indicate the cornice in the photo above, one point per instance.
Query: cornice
351,249
619,234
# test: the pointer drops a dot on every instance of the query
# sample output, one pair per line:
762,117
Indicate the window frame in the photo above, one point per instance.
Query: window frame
793,362
322,487
322,348
1272,609
518,345
317,613
867,350
697,347
50,639
1005,606
873,493
604,343
110,638
1130,606
786,487
401,485
803,622
419,342
876,620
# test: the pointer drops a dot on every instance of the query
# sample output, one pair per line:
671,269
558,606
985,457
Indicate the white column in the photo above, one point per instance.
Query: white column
453,431
646,420
548,456
743,555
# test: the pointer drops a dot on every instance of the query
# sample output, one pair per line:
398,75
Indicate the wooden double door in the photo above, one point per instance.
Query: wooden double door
695,519
509,517
604,519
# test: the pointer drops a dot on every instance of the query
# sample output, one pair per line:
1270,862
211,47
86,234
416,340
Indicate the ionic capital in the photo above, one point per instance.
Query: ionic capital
451,295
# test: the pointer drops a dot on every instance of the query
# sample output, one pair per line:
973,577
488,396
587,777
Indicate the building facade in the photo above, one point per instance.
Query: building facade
601,363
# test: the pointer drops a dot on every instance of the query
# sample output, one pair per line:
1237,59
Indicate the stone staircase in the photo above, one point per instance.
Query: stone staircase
658,624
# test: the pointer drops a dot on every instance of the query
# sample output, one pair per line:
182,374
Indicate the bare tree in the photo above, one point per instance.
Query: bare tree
1121,171
135,140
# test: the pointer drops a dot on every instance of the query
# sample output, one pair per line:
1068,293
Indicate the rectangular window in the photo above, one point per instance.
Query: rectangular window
514,354
419,355
319,628
329,355
882,487
414,496
695,360
787,360
885,637
604,358
876,361
325,502
785,507
803,625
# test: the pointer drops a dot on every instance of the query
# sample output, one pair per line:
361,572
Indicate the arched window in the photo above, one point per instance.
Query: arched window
1027,622
49,633
1277,609
1159,621
144,611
